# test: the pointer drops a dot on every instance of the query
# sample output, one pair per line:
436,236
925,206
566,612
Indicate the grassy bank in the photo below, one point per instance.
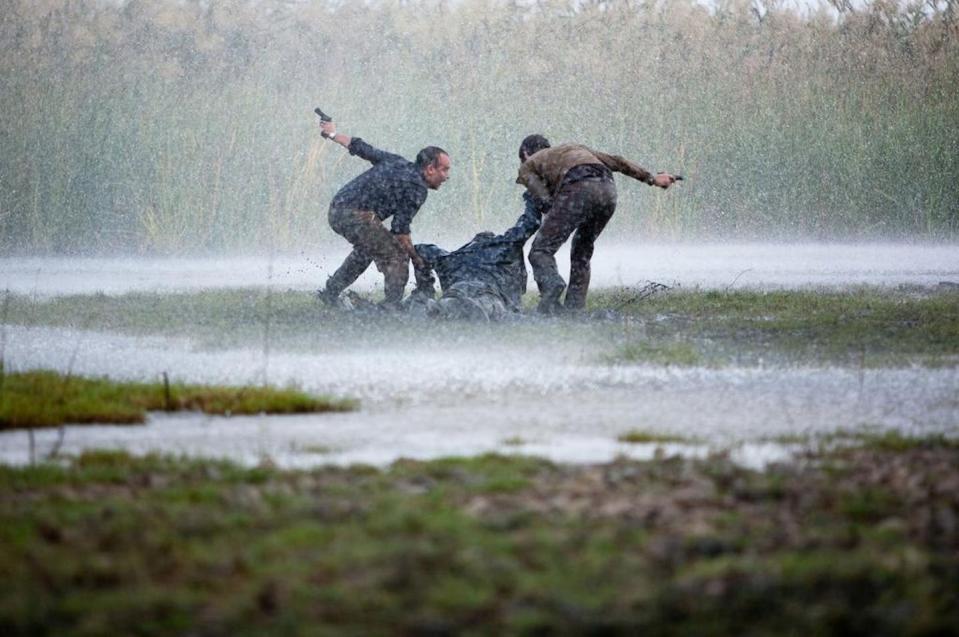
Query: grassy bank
855,541
861,327
49,399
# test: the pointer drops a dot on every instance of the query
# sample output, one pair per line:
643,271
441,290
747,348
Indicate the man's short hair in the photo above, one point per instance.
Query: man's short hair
532,144
428,156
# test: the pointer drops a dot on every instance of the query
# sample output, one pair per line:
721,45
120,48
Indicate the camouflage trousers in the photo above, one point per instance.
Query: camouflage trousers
372,243
469,300
584,208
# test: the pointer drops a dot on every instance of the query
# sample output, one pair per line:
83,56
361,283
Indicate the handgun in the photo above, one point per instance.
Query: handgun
323,118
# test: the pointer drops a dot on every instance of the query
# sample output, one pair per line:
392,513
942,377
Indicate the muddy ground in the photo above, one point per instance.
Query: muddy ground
859,540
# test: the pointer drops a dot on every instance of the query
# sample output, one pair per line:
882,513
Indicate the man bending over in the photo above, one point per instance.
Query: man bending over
392,187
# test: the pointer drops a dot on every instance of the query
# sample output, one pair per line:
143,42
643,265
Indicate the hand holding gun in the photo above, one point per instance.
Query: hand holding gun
665,180
326,123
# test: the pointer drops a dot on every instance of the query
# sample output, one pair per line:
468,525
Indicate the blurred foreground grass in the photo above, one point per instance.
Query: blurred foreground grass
49,399
859,540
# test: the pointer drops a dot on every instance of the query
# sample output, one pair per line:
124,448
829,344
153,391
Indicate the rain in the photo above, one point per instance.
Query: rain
171,148
749,423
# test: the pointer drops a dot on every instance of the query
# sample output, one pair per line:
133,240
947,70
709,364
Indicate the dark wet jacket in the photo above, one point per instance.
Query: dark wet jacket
393,187
494,262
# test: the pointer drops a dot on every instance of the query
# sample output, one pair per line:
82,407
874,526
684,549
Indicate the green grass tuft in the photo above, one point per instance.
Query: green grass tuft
637,436
893,441
659,353
39,399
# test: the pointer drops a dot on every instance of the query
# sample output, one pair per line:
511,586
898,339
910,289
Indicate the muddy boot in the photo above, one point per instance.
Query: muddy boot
548,280
549,304
329,296
578,287
353,266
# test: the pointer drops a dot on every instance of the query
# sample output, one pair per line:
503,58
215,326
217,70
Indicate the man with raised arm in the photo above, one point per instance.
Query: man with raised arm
392,187
576,182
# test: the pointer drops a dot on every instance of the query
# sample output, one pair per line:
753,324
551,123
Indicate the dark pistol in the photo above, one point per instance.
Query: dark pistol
323,118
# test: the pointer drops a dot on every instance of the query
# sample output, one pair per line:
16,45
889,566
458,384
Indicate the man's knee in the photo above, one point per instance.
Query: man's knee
394,282
541,259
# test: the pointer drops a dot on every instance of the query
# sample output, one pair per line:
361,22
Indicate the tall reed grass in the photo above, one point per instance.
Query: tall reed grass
184,126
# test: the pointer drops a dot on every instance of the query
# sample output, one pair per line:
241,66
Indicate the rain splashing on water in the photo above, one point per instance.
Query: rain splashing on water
171,147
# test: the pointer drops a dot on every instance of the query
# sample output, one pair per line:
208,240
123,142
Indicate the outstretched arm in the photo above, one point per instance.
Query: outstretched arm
528,222
355,145
634,170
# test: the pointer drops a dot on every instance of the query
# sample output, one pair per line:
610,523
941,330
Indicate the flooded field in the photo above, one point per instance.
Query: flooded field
547,388
707,266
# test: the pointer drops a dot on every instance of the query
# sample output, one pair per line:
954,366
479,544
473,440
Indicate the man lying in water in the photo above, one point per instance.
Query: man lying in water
482,280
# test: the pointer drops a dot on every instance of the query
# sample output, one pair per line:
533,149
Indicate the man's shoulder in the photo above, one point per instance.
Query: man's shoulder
407,171
559,150
396,163
565,147
392,161
397,168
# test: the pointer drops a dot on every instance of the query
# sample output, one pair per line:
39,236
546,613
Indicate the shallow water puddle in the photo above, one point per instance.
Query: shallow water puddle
452,398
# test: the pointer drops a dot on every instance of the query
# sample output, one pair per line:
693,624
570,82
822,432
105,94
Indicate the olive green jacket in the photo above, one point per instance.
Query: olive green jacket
543,172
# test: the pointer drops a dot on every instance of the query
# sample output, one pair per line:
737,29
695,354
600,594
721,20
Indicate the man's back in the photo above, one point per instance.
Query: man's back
551,165
393,187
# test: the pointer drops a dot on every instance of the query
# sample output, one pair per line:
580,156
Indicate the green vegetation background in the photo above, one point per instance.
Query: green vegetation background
184,126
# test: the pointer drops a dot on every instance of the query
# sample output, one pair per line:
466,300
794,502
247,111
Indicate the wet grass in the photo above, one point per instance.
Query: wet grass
868,438
639,436
48,399
860,540
891,441
236,318
233,317
859,327
660,352
895,441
